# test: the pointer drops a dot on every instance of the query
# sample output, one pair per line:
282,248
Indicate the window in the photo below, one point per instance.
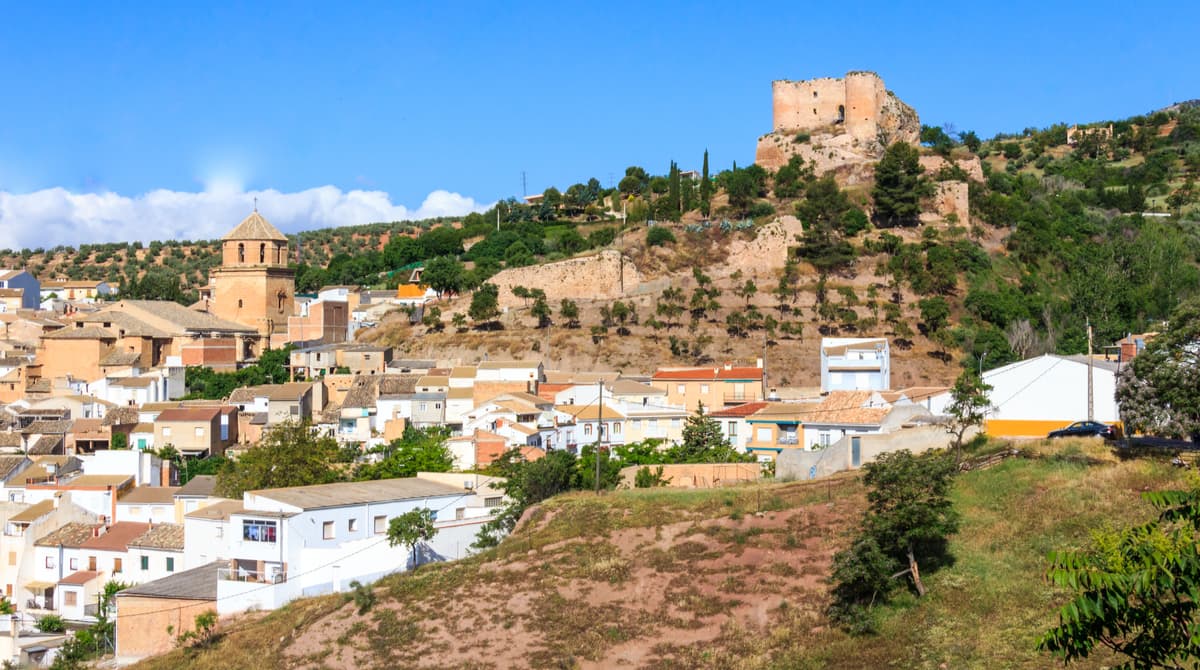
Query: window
70,598
327,530
380,525
494,501
421,407
220,532
262,253
135,511
166,431
680,389
675,423
145,562
199,431
170,564
240,303
12,558
732,428
241,258
116,565
437,405
460,513
352,525
704,388
616,428
257,530
49,561
294,410
92,563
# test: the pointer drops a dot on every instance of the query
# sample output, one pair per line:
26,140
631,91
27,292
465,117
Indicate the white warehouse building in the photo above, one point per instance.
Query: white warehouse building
1033,397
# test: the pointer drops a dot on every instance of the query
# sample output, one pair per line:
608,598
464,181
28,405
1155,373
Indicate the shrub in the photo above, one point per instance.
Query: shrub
51,623
760,209
657,236
801,138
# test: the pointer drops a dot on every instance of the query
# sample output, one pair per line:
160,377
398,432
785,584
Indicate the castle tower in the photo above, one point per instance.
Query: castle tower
254,285
864,101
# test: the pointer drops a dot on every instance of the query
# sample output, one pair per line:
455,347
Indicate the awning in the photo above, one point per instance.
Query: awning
38,586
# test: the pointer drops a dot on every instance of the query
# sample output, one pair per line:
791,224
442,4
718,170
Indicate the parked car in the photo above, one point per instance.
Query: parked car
1086,429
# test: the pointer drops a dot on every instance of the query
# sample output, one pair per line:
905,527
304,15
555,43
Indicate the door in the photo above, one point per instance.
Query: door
855,451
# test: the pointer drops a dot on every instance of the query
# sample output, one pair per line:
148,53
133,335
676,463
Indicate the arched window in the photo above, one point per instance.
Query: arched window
841,113
262,253
241,253
587,429
282,295
239,303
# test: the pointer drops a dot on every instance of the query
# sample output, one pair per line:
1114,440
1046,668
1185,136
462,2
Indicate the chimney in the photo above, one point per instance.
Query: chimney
728,366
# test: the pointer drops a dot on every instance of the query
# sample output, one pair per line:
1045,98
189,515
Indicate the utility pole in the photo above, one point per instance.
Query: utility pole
599,432
981,364
497,217
1091,406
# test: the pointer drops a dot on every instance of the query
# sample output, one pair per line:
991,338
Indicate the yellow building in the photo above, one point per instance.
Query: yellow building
254,285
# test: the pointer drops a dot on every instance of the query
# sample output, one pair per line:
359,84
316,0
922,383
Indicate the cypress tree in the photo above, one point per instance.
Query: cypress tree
705,188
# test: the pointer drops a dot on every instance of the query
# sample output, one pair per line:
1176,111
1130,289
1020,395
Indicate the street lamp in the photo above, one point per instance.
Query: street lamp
981,364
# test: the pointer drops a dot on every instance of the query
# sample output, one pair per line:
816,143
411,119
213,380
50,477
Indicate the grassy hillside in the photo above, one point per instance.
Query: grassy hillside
715,579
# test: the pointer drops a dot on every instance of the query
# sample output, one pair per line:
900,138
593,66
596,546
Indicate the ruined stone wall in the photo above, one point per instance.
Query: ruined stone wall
603,276
806,105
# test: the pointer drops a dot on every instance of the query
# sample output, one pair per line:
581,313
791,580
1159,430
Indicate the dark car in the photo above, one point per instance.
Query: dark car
1086,429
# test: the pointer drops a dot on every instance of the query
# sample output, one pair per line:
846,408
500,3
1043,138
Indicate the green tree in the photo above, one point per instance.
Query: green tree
485,305
410,529
706,188
1134,591
444,275
969,405
935,312
541,311
527,483
418,450
569,311
908,519
1159,391
900,184
289,454
704,441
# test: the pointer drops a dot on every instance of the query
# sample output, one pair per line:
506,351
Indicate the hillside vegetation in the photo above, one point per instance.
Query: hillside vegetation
729,578
1056,239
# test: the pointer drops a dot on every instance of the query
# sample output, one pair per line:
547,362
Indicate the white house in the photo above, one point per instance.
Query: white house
281,544
855,364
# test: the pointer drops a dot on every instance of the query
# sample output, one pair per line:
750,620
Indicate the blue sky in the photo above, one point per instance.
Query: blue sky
407,99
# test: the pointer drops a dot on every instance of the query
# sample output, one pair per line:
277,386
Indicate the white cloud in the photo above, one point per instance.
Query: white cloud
55,216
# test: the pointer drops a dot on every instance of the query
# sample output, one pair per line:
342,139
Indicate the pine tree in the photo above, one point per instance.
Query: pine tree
900,184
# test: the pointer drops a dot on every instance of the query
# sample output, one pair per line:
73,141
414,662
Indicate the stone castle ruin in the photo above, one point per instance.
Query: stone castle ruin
848,121
859,103
844,125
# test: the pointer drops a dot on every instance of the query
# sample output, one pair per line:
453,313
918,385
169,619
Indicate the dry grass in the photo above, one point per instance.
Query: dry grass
730,578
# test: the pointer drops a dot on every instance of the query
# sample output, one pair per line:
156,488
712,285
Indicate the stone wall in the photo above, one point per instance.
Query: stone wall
603,276
860,103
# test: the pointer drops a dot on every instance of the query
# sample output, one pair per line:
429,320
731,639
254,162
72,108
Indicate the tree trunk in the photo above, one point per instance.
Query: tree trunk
916,574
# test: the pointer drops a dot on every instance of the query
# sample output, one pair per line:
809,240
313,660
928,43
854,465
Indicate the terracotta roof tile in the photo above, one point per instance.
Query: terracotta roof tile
79,578
255,227
161,536
117,537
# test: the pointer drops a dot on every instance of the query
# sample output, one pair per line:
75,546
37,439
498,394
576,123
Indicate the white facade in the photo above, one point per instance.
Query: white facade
1052,388
855,364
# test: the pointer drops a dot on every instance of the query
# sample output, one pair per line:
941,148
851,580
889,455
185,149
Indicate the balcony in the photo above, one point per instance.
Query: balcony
840,364
788,439
251,576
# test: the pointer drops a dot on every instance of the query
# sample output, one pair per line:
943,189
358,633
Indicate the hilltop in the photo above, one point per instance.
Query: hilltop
726,578
1005,250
